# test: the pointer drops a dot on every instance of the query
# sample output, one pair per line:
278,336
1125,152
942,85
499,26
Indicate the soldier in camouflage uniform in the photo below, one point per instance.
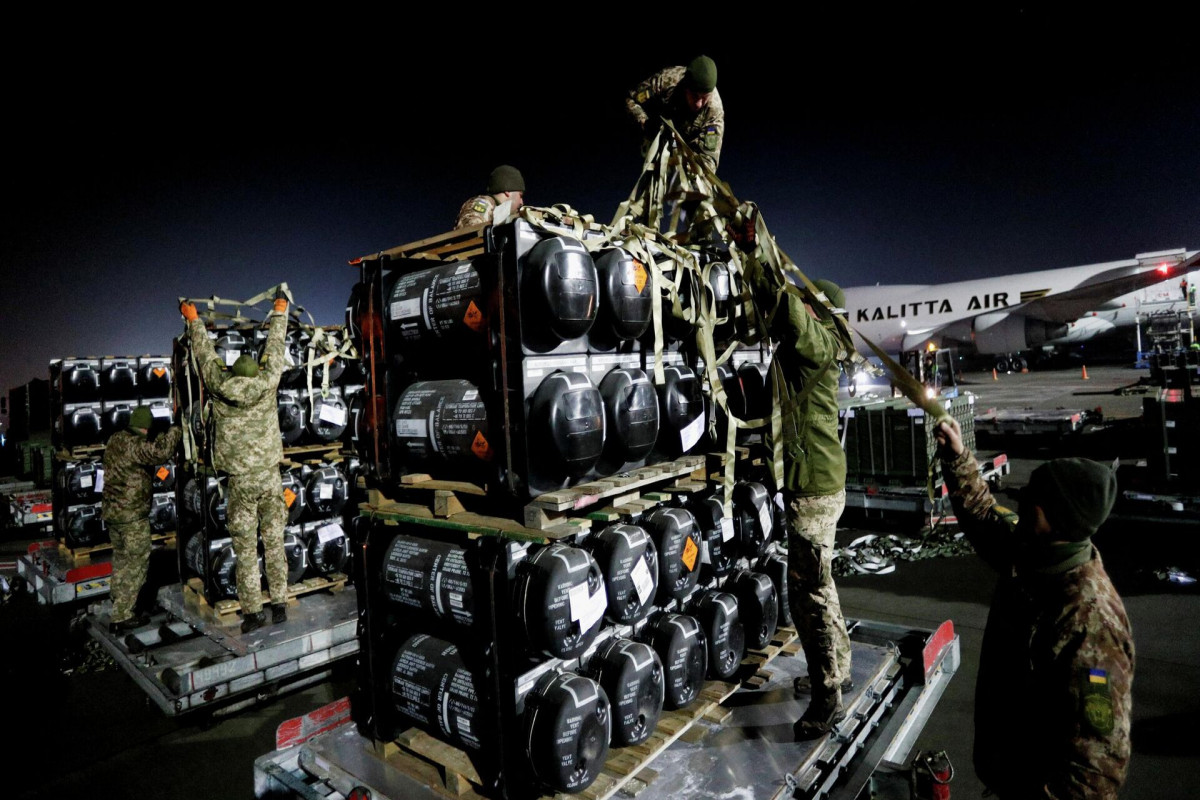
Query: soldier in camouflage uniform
128,458
815,492
248,447
1052,700
505,184
688,97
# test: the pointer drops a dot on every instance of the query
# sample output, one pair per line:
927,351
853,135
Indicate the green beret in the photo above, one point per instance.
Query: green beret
1076,495
702,74
833,292
505,179
141,417
246,366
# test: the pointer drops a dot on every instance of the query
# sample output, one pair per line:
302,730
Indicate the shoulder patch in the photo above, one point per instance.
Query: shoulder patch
1096,699
479,207
711,137
643,96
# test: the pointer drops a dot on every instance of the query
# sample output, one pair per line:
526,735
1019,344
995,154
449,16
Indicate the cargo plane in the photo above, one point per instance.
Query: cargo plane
1009,314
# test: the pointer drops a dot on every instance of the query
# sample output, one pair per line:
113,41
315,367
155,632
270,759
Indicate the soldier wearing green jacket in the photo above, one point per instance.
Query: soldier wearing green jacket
688,97
807,368
128,459
1053,695
248,447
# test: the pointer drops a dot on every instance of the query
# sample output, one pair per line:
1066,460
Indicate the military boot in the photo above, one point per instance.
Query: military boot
278,613
254,621
126,625
802,684
822,714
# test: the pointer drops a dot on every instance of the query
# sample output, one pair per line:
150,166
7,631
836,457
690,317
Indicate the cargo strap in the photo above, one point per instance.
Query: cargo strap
237,317
671,169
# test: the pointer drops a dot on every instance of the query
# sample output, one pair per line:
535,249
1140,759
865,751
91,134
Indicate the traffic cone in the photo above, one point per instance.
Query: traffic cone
1085,377
994,376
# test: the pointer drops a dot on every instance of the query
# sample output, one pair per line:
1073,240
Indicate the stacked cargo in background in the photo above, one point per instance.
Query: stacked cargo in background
91,399
1172,420
27,446
890,441
317,388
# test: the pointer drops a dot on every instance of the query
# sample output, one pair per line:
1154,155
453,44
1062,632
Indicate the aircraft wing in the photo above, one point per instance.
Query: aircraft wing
1097,289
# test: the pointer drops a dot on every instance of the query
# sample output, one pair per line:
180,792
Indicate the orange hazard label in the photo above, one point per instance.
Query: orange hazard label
159,372
480,447
289,497
690,551
162,473
473,319
640,276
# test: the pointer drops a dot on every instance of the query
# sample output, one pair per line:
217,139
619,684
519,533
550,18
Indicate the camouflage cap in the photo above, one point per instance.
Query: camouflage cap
505,179
246,366
141,418
1076,495
833,292
702,74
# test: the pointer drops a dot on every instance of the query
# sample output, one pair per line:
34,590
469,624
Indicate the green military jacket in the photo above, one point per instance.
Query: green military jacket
1053,696
477,210
128,457
662,95
807,371
245,410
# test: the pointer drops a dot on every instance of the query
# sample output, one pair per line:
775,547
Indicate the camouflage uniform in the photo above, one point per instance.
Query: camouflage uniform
248,447
807,371
128,458
662,96
476,211
1052,700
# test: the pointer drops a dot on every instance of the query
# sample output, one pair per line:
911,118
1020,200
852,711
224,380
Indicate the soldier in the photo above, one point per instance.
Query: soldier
128,458
815,492
505,184
688,97
1052,700
248,447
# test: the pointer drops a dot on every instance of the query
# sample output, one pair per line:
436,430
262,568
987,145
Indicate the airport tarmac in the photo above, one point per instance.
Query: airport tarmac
95,734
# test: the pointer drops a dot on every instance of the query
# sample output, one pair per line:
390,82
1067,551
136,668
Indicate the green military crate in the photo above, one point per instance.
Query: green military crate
889,441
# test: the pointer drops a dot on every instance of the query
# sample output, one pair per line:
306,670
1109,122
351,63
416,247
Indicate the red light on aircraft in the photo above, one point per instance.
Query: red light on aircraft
1164,269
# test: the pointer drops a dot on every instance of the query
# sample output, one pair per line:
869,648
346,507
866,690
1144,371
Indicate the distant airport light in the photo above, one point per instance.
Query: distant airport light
1164,269
931,392
931,347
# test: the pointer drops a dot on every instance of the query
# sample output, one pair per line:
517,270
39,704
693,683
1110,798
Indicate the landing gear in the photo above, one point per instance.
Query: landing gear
1011,364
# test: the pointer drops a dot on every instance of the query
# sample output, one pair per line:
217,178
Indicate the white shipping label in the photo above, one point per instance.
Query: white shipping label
588,609
99,480
766,520
643,581
325,491
692,433
705,558
334,415
411,428
404,309
85,481
328,533
158,412
230,357
726,529
470,394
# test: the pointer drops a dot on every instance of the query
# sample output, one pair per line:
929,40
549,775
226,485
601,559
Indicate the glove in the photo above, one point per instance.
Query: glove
281,303
188,310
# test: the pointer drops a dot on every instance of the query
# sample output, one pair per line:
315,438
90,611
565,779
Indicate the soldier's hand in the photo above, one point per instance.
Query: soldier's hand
188,310
948,435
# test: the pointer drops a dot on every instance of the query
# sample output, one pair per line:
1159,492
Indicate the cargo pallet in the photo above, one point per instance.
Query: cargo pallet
878,499
553,516
735,741
59,574
1030,422
186,662
25,506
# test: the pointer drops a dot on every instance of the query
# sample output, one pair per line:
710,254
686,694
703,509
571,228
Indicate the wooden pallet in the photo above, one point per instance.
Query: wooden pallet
457,245
87,452
79,556
627,769
330,453
225,612
459,521
553,508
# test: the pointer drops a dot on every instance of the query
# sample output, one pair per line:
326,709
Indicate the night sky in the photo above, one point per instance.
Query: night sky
896,150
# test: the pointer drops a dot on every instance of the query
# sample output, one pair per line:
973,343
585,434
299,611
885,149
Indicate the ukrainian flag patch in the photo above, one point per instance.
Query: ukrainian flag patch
1097,676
